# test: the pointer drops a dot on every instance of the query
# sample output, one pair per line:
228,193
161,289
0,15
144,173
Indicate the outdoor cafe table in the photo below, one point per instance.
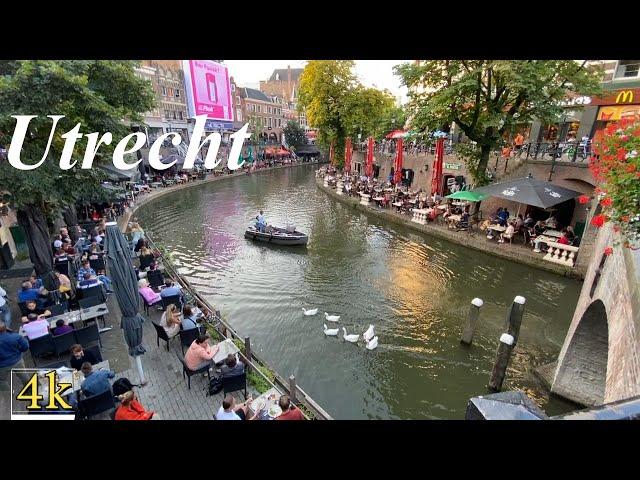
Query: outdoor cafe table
497,228
68,317
69,375
270,398
224,349
552,233
94,312
442,207
453,219
378,199
156,184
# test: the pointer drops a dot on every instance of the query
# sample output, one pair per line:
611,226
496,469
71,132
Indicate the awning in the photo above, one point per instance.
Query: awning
307,151
119,175
397,134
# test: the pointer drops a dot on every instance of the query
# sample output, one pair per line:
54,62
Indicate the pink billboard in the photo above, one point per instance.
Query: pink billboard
208,89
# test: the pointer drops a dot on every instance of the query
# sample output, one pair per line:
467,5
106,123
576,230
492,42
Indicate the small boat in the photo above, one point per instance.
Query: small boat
277,236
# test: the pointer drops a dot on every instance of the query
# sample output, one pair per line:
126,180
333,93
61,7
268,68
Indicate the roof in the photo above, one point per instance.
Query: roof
254,94
281,74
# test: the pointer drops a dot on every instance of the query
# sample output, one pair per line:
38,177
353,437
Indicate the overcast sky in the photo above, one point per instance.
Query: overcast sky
378,73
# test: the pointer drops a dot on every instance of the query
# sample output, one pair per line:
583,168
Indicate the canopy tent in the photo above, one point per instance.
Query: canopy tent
529,191
397,134
282,152
467,195
307,151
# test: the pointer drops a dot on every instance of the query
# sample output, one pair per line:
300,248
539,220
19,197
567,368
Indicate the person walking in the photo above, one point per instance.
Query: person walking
5,310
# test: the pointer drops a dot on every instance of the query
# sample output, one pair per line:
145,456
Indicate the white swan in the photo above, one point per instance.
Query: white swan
368,335
331,318
353,338
373,343
308,313
331,332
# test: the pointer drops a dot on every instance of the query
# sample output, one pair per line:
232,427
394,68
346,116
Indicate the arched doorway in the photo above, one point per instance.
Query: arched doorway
582,376
273,138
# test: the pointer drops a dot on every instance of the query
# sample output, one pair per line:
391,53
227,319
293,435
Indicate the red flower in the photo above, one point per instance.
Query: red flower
583,199
624,218
616,228
598,220
630,168
607,202
621,154
608,251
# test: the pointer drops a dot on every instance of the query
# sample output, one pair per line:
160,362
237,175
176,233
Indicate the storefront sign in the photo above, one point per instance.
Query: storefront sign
453,166
576,101
208,89
627,96
617,112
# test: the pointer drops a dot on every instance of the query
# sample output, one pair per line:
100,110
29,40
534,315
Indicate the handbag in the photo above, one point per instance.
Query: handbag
215,386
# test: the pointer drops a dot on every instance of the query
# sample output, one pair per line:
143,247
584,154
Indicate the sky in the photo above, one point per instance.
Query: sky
373,73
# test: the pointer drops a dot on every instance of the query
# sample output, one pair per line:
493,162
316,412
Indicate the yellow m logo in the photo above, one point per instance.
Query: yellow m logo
625,96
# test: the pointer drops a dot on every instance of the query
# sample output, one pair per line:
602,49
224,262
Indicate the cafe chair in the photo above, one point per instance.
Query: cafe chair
187,337
92,302
58,309
161,334
235,384
62,343
85,293
155,278
41,347
91,406
97,264
88,335
96,352
190,373
175,299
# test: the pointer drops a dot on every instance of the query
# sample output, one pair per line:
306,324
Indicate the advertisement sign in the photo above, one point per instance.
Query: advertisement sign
630,96
208,89
453,166
617,112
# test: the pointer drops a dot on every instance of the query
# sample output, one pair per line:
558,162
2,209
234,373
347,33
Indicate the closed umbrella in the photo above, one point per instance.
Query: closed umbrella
125,286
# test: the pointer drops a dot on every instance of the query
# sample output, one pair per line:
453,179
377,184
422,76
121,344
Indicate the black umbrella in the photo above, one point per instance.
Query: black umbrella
529,191
125,286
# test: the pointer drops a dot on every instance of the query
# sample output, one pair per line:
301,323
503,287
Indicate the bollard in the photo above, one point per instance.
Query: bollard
247,351
292,388
472,321
508,342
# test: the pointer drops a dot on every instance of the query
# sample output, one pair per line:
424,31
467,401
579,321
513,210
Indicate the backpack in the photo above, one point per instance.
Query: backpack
121,385
215,385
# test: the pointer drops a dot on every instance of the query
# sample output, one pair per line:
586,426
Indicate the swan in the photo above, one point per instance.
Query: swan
310,312
373,343
331,318
368,335
330,331
353,338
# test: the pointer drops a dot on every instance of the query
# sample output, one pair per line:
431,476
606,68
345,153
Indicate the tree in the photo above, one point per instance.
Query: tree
294,134
100,95
487,98
393,118
338,105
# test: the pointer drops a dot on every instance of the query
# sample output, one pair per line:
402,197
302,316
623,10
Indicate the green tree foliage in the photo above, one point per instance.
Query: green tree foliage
101,95
294,134
487,98
338,105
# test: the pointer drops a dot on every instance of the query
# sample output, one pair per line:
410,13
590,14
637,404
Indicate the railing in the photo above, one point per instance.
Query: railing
251,360
555,151
561,254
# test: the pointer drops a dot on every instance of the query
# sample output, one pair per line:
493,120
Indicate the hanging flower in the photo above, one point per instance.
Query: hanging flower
606,202
608,251
630,168
598,220
624,218
583,199
616,228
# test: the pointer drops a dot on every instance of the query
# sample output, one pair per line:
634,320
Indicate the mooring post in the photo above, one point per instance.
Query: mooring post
247,350
292,388
472,321
508,342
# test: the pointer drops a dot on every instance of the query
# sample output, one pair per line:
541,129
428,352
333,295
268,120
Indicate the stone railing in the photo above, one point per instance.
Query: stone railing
365,198
561,254
420,216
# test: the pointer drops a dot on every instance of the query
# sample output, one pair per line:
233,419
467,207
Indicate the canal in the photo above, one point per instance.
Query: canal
414,289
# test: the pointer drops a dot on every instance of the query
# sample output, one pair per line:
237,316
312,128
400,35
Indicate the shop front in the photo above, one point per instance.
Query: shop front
615,106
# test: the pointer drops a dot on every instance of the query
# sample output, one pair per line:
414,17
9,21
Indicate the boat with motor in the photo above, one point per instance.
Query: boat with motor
277,235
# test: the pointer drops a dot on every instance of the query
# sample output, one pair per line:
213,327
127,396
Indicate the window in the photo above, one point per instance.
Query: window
180,115
164,91
237,99
177,93
259,108
239,115
269,109
627,69
167,114
253,107
174,115
270,122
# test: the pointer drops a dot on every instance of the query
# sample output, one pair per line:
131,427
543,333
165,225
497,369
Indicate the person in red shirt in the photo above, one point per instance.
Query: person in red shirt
130,408
564,240
289,412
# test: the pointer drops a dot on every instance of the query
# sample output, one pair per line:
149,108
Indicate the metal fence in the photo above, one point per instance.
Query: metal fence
556,151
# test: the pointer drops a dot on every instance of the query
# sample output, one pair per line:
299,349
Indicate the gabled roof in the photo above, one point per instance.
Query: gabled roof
254,94
281,74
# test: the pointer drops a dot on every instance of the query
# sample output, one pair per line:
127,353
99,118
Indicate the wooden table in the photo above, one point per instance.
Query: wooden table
270,397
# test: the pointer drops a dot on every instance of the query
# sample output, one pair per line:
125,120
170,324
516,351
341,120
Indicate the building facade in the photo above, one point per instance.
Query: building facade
284,83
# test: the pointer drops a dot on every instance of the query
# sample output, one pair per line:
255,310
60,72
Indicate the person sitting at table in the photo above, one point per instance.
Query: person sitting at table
147,292
519,223
170,321
200,353
564,238
232,367
86,268
552,222
529,221
35,282
35,327
140,245
61,328
464,220
88,281
539,228
28,292
97,382
230,411
570,234
65,282
80,356
67,247
34,309
131,409
170,289
508,233
289,411
94,250
503,217
189,318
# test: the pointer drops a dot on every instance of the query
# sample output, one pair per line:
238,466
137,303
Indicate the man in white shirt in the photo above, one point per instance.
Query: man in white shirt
230,411
5,311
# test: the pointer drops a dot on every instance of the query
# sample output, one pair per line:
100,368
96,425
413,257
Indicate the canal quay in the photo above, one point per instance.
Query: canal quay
415,289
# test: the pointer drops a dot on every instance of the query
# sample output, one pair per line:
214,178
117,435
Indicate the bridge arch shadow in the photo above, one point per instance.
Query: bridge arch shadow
582,373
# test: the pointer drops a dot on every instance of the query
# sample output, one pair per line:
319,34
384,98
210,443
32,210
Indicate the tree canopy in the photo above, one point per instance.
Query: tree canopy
294,134
486,98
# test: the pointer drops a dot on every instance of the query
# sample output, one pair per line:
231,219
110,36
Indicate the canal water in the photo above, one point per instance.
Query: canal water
413,288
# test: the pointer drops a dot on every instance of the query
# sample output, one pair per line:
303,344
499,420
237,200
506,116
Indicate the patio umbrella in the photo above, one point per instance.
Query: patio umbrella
347,155
529,191
397,172
369,169
467,195
125,286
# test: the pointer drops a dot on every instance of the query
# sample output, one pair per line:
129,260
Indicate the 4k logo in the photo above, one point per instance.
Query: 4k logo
44,392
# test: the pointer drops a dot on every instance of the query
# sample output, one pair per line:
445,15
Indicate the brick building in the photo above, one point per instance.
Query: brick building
284,83
261,111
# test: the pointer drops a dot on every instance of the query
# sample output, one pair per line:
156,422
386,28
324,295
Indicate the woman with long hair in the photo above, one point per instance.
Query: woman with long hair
130,408
170,321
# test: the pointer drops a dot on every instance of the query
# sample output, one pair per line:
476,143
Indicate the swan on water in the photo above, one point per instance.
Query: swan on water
373,343
308,313
331,318
353,338
368,335
330,331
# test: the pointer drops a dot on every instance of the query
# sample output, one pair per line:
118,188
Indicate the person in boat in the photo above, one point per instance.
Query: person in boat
261,223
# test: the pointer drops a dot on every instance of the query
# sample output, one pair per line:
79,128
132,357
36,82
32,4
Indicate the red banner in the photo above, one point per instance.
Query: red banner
370,147
347,155
436,182
397,169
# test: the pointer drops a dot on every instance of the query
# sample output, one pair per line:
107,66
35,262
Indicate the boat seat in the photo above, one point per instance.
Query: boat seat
291,228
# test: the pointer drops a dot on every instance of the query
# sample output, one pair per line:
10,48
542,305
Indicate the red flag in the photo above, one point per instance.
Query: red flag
397,169
436,182
370,146
347,155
